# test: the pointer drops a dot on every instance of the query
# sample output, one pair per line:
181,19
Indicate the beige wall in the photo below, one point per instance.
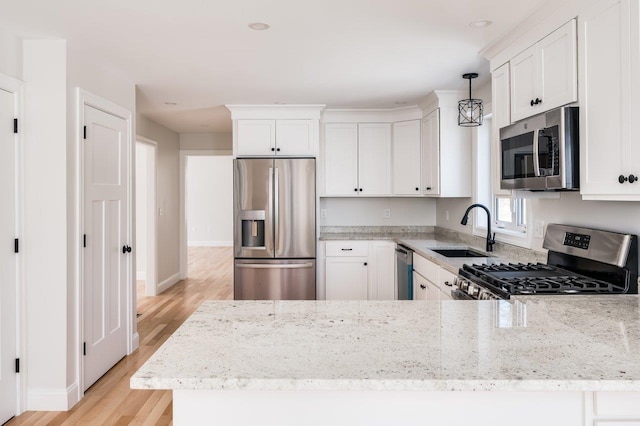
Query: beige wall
206,141
168,195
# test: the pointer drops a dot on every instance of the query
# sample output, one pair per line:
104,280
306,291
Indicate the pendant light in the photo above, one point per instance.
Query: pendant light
470,110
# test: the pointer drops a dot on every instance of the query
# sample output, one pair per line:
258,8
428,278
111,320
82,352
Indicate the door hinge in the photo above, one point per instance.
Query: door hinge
17,365
15,125
84,132
84,240
16,246
84,348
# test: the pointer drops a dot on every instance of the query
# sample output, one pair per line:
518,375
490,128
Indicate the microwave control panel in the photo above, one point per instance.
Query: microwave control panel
580,241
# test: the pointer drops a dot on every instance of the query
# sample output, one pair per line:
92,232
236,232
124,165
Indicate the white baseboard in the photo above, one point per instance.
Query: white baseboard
52,399
210,243
141,276
135,342
164,285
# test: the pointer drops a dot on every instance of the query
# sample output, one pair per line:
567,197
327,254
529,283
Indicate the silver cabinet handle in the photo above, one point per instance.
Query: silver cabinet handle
276,207
536,153
271,266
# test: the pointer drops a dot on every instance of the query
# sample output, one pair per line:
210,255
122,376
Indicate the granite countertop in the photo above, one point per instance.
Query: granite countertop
581,343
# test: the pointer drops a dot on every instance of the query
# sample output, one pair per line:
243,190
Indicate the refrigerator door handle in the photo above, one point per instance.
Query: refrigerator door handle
276,215
271,266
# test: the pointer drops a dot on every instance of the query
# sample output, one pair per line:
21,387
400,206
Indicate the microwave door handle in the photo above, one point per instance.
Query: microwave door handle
536,153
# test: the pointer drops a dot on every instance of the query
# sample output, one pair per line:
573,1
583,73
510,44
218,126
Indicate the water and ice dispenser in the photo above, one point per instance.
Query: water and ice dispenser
253,229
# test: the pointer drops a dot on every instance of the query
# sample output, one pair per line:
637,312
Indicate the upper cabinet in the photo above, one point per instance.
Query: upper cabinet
406,158
446,148
357,159
544,76
501,104
281,130
609,52
275,137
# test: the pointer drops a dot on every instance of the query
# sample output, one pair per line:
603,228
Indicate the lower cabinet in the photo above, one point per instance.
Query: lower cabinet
423,289
360,270
431,281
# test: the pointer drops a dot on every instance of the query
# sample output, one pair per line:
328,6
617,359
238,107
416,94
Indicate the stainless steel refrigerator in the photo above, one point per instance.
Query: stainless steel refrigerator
274,209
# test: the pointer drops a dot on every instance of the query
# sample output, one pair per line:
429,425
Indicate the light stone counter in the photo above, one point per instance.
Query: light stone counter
568,343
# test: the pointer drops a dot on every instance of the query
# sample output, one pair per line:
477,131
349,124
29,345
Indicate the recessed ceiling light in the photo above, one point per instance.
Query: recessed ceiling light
401,103
170,103
480,24
280,103
259,26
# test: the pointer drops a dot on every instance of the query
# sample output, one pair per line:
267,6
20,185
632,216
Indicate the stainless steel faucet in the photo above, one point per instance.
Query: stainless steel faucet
491,239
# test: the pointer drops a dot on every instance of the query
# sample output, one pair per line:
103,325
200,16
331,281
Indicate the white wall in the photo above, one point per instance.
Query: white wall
206,141
10,54
142,187
168,201
209,200
369,211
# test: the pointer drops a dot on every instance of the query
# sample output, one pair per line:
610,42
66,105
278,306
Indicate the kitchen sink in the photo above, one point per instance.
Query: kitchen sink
459,252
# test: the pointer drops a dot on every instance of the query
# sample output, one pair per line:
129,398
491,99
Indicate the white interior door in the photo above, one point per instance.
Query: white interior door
106,278
8,350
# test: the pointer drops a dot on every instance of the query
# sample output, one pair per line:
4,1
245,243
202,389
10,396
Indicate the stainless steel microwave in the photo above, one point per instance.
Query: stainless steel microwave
541,152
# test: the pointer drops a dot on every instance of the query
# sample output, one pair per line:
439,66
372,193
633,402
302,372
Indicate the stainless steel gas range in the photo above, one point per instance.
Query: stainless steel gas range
580,261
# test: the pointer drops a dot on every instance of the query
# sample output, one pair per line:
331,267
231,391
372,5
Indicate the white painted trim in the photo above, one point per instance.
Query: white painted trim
168,283
183,194
210,243
141,276
53,399
16,87
83,98
393,115
151,278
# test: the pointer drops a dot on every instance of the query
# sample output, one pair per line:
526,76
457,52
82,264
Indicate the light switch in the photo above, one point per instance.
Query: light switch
386,213
323,213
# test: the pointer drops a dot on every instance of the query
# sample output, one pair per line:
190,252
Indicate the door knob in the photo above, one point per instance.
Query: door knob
273,149
126,249
417,189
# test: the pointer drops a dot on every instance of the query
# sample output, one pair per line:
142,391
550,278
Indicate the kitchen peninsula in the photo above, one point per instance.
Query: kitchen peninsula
558,360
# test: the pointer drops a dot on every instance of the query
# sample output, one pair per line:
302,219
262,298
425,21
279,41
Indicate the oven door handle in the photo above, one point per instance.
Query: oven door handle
460,295
536,153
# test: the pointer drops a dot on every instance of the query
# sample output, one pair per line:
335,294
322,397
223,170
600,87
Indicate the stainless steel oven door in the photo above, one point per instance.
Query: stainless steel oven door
457,294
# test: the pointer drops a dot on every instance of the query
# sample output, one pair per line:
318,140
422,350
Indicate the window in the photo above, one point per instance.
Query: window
508,213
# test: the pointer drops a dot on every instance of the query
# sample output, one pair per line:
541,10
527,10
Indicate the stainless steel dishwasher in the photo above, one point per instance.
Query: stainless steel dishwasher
404,269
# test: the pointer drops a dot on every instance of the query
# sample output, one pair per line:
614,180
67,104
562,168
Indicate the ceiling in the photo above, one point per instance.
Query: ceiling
201,55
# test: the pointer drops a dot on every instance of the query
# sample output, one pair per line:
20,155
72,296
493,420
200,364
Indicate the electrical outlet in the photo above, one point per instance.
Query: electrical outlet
323,213
538,229
386,213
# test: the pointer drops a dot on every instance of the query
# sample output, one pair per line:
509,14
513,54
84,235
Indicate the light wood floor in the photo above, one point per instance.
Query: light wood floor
110,401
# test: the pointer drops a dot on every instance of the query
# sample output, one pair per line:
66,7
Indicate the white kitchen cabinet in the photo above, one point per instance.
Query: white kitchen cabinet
357,159
446,148
374,159
445,283
382,276
431,153
275,137
501,101
294,138
544,76
360,270
609,51
419,287
406,158
341,159
256,137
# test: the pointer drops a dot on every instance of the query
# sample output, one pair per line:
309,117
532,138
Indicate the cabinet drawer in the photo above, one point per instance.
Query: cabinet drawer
426,268
346,248
445,282
618,404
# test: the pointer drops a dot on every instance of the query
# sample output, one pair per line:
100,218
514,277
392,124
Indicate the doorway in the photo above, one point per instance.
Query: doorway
146,228
207,219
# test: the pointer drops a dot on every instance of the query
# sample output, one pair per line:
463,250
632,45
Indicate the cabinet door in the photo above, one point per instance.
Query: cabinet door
406,158
419,287
341,159
606,145
294,137
374,159
256,137
445,282
523,70
558,65
431,153
501,101
382,276
346,278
